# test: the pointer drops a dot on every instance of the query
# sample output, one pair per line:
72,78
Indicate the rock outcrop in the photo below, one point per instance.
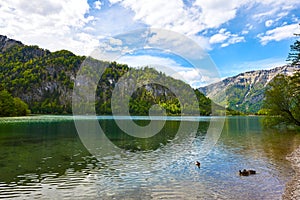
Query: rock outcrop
245,92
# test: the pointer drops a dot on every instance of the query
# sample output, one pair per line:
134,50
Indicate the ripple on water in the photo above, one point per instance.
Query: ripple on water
164,173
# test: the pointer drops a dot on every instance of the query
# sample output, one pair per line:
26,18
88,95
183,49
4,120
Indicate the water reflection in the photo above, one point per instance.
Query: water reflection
46,159
125,141
35,149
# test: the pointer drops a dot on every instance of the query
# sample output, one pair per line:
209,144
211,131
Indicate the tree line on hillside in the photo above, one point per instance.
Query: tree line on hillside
42,81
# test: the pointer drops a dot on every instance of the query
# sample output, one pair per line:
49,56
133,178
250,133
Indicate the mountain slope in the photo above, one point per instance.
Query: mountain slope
45,81
6,43
245,92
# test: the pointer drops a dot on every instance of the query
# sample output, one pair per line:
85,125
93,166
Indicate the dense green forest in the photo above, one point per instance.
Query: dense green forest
10,106
42,82
283,100
148,94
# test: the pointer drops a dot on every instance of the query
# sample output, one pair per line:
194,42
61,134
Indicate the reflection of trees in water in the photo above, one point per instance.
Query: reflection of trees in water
33,151
248,138
166,135
277,144
202,129
127,142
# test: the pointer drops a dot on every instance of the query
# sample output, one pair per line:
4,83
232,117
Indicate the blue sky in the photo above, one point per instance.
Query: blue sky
239,35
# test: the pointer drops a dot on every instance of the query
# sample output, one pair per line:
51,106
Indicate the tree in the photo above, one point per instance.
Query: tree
7,108
283,100
294,55
21,108
10,106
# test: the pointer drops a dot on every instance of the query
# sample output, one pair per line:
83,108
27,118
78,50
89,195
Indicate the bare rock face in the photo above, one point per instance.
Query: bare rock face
37,76
6,43
245,92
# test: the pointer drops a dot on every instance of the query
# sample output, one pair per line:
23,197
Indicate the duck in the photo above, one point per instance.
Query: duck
246,172
197,163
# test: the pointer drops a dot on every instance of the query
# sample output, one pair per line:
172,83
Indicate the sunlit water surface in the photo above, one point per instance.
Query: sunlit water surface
43,157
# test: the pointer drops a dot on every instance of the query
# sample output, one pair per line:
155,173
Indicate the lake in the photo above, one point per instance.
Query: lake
44,157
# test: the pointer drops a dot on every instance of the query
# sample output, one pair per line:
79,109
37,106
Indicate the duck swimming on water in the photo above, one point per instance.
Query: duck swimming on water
246,172
197,163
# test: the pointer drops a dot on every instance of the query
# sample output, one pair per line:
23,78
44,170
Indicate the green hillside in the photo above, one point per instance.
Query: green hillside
44,80
245,92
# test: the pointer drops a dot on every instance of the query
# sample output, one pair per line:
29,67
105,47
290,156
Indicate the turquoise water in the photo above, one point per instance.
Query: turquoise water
43,157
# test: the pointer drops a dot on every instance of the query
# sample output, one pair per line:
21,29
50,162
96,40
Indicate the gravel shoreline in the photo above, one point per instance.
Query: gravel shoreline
292,190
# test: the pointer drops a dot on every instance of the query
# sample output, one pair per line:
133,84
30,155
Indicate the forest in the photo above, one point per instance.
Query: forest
37,81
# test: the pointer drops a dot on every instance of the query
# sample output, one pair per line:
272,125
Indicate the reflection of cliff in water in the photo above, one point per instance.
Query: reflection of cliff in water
35,150
164,136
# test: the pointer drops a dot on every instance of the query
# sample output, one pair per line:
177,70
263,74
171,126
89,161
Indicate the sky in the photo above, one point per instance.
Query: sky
237,35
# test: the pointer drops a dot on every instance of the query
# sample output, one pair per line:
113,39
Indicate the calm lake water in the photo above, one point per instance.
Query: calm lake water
44,158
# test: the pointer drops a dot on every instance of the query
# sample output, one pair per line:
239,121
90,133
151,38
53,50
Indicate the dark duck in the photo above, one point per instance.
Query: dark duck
246,172
197,163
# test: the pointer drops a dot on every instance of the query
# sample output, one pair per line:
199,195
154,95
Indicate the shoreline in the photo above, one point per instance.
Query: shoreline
292,189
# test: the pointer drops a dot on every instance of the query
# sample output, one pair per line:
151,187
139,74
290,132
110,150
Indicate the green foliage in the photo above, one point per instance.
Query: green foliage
148,94
233,112
45,80
263,111
294,55
21,108
283,94
42,79
283,99
7,107
10,106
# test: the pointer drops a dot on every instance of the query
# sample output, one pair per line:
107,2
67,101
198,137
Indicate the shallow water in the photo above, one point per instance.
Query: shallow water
44,157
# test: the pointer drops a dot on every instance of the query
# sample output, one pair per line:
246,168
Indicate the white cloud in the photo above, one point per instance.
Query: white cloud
51,24
279,33
200,16
219,37
98,5
247,29
273,9
265,13
233,40
269,23
226,38
116,42
194,77
172,15
176,16
55,24
217,12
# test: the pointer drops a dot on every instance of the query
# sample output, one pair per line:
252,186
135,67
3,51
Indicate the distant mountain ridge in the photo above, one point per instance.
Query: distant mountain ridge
245,92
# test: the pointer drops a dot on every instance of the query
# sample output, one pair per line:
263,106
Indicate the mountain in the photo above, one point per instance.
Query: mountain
245,92
45,81
6,43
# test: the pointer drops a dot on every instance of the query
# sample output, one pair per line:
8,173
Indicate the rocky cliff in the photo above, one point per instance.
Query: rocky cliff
45,81
245,92
6,43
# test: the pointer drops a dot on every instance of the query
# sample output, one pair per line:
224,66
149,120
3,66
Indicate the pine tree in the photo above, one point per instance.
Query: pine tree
294,55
